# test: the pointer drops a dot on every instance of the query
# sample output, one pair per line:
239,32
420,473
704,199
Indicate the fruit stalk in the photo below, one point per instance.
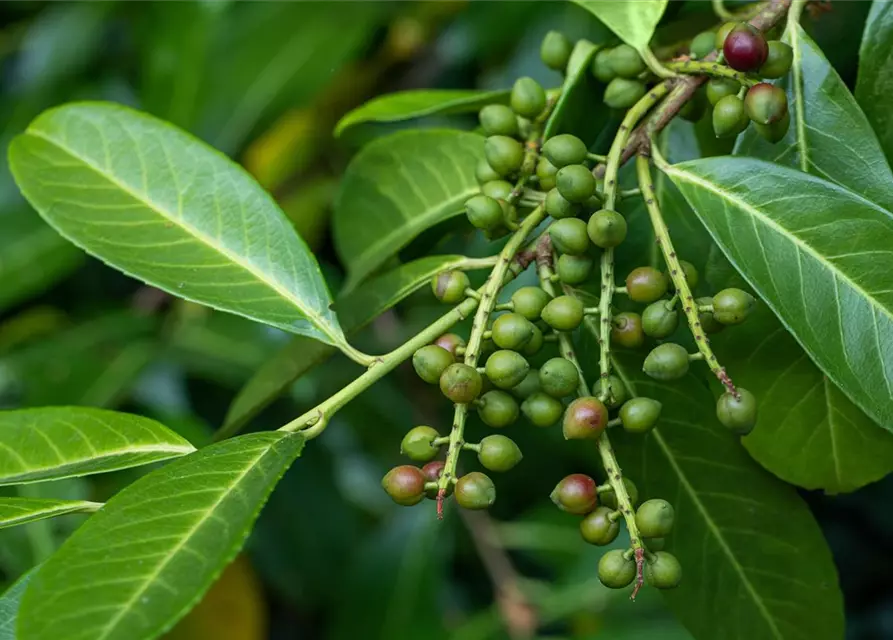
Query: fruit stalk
712,69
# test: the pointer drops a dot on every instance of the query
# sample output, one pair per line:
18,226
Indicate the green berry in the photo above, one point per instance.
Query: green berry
655,544
555,50
622,93
574,270
528,386
545,173
584,419
597,527
616,392
565,149
778,61
498,120
668,361
739,415
626,61
560,207
703,44
450,342
569,236
646,284
512,331
626,330
719,88
632,491
576,493
658,321
418,444
575,182
432,472
528,98
691,273
405,484
542,409
497,409
564,313
430,362
505,369
535,343
530,302
722,33
504,154
639,415
461,383
776,131
559,377
694,109
475,491
708,323
765,103
729,117
483,172
606,228
499,453
450,286
663,571
484,212
601,66
654,518
616,571
497,189
732,306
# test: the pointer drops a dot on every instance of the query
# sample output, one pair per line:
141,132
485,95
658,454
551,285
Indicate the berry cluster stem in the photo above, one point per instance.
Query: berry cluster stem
712,69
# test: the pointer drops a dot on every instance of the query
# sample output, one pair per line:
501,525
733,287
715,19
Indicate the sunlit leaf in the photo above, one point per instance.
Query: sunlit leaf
579,110
632,21
15,511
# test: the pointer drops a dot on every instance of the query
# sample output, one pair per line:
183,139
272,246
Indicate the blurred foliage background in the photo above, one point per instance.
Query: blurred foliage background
331,556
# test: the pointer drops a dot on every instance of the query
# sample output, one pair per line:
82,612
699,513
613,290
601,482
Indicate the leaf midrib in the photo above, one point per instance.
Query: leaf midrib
199,236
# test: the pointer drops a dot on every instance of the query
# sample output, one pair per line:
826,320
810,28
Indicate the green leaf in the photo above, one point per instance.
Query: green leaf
820,257
874,84
395,188
161,206
9,606
64,442
15,511
138,565
416,103
755,563
633,22
580,110
829,135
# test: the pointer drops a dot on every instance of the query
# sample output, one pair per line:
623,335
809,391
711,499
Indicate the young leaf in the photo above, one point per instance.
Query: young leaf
395,188
829,135
579,111
161,206
15,511
755,563
800,242
417,103
874,84
64,442
9,606
633,22
138,565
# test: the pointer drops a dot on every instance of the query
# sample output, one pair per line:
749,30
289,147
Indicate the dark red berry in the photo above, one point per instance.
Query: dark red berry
745,49
576,493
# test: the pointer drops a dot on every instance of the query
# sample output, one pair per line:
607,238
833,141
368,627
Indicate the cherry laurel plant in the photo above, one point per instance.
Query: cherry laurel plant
158,205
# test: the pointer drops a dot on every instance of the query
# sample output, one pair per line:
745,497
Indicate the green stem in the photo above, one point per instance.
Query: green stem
655,65
712,69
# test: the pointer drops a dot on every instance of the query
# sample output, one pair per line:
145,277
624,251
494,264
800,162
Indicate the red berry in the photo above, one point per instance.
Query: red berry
577,493
745,49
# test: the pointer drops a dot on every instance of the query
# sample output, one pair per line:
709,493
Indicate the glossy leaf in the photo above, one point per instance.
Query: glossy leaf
395,188
755,563
579,110
9,606
137,566
802,242
64,442
874,84
15,511
829,135
417,103
161,206
633,22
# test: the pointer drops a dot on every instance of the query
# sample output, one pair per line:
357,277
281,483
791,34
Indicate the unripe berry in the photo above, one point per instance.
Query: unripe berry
530,302
504,154
432,472
461,383
729,117
585,418
498,120
646,284
528,99
601,66
541,409
776,131
535,343
616,392
430,362
497,409
450,286
576,493
663,571
694,109
527,387
484,173
555,50
632,491
655,544
654,518
668,361
450,342
569,236
708,323
499,453
702,45
745,48
722,33
475,490
559,377
418,444
616,571
626,61
622,93
691,274
574,270
778,61
597,528
658,321
545,173
560,207
497,189
564,149
405,484
564,313
483,212
732,306
626,330
719,88
575,182
606,228
765,103
512,331
505,369
739,415
639,415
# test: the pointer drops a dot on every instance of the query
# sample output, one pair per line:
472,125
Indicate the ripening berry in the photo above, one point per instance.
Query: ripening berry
497,189
663,571
505,369
484,212
626,61
484,173
530,302
545,174
450,286
601,66
569,235
668,361
432,472
431,361
575,182
703,44
475,490
632,491
739,415
576,493
765,103
745,48
564,313
528,99
719,88
560,207
461,383
585,418
615,571
776,131
606,228
597,527
626,330
499,453
778,61
574,270
542,409
729,117
708,323
555,50
512,331
639,415
654,518
450,342
659,321
623,93
646,284
564,149
504,154
498,120
527,387
497,409
418,444
559,377
732,306
405,484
